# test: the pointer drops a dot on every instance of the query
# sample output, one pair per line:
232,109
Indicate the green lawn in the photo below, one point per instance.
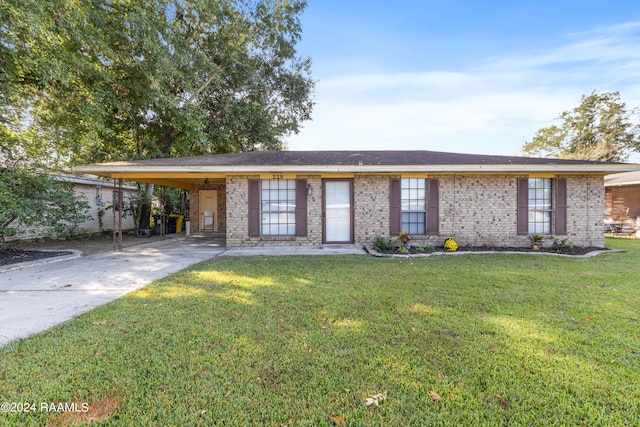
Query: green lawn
504,340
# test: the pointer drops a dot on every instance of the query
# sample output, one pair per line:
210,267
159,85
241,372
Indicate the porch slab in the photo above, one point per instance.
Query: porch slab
295,250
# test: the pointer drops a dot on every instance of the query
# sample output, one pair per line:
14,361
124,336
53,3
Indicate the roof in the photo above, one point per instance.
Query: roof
345,158
625,178
258,159
91,180
184,172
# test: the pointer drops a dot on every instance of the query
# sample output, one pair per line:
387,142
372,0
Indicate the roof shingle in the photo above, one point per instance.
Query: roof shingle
336,158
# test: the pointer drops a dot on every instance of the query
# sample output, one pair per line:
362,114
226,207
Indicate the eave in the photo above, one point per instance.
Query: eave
182,172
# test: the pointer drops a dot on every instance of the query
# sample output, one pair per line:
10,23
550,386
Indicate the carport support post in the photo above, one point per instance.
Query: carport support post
117,224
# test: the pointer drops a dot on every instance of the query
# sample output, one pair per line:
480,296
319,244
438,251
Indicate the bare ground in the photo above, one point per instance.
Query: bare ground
18,252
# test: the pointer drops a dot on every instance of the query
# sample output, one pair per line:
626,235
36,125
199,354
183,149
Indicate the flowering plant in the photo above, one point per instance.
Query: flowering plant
536,238
404,237
450,245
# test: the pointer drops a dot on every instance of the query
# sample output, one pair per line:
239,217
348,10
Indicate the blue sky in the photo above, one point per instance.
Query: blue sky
462,76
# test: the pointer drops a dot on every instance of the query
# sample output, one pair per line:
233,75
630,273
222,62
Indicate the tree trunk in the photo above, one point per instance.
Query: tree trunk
145,208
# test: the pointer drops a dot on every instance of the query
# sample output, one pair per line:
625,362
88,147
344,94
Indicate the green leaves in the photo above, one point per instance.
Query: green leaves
493,339
38,201
600,129
131,79
102,80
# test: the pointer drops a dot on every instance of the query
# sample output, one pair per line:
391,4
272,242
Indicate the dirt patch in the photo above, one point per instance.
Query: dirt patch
15,256
97,411
18,252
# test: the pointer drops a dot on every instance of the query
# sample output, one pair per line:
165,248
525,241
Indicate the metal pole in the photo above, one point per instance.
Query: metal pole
163,219
162,225
113,207
117,224
120,211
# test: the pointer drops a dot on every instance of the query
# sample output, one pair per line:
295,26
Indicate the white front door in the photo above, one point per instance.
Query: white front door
337,208
208,200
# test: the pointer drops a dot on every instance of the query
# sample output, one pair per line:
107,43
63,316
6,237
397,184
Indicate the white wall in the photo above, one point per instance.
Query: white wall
105,194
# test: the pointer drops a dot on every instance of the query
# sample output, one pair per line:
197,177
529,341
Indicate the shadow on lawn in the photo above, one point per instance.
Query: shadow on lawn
295,340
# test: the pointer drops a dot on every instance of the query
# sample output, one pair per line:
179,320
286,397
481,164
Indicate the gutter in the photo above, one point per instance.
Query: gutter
96,183
589,168
621,184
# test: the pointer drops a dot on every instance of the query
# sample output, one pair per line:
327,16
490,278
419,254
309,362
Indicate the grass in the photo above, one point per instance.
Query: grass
492,340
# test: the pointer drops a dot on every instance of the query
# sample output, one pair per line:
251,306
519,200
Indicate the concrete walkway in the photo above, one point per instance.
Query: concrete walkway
38,297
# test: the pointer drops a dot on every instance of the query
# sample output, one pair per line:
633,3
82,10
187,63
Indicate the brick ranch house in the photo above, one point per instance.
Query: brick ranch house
264,198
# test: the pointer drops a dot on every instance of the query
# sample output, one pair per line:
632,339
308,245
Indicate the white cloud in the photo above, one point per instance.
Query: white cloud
492,108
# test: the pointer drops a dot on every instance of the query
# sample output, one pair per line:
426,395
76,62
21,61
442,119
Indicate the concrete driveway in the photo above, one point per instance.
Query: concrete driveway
39,297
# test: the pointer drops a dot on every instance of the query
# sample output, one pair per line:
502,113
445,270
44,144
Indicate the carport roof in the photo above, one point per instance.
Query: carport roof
189,170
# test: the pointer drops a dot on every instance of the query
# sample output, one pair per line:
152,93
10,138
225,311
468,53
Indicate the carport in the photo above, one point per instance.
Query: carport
206,186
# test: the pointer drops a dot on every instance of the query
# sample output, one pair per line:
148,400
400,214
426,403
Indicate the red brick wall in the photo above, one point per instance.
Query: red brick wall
619,199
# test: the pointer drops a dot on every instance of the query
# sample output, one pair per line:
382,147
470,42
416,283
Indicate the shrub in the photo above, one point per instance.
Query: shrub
536,239
563,246
39,203
450,245
403,250
404,237
383,245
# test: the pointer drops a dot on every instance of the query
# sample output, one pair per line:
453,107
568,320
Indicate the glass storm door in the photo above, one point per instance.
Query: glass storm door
337,209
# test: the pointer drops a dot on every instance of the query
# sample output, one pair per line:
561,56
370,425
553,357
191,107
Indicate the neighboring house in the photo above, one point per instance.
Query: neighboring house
99,195
622,195
331,197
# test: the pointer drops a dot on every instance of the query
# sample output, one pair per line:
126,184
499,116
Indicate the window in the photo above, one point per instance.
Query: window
540,205
278,207
413,202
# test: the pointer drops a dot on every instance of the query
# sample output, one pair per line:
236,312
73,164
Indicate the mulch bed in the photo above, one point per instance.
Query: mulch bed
576,251
15,256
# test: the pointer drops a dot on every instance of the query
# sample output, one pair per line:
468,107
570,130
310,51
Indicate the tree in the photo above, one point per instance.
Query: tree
600,129
141,79
38,201
106,80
